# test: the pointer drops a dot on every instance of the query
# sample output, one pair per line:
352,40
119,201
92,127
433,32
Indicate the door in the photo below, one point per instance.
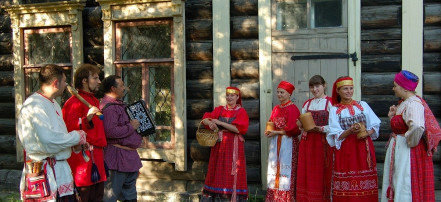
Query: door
309,37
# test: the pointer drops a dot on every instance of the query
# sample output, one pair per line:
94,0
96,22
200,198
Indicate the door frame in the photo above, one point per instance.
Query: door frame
265,64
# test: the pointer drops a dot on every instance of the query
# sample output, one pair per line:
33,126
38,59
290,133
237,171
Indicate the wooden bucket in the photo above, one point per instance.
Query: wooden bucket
307,121
363,133
269,126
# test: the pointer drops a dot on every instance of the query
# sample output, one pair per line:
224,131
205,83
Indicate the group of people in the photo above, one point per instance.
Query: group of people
85,157
335,160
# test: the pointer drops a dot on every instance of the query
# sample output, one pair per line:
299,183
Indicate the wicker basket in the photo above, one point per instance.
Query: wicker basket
206,137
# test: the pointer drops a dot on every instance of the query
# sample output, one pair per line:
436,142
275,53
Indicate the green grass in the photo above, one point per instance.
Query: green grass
9,196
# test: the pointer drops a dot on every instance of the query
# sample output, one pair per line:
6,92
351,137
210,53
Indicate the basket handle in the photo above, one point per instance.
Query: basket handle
202,121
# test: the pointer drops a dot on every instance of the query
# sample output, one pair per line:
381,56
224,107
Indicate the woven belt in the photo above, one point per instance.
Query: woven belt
124,147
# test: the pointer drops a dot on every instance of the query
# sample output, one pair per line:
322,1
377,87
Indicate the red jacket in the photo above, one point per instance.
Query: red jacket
74,110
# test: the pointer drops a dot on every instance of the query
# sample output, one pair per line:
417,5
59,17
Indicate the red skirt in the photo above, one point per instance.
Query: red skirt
314,169
355,172
423,185
219,180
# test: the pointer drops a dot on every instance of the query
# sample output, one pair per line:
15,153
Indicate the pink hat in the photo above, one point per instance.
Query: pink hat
406,80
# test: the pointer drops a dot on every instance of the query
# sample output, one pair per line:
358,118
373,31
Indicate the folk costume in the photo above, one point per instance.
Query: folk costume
283,150
226,176
120,154
75,117
44,136
408,166
314,167
355,173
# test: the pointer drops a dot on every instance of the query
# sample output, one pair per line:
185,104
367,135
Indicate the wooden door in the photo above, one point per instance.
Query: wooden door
302,29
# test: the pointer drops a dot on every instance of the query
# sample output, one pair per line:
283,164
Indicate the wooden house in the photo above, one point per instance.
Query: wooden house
179,55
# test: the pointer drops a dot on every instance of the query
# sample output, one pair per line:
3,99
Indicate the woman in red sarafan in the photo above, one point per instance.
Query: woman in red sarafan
408,166
283,150
314,167
226,178
355,172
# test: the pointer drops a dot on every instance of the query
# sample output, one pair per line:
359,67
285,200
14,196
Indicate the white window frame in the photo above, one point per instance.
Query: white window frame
65,13
127,10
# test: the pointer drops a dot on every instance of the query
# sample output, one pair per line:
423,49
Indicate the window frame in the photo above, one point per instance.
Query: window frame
114,11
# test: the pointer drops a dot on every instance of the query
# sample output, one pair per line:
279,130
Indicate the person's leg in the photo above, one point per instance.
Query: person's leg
113,186
96,192
129,188
84,193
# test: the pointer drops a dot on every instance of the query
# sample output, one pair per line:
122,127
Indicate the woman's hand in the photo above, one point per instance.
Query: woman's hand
356,128
392,111
270,133
318,129
299,124
213,124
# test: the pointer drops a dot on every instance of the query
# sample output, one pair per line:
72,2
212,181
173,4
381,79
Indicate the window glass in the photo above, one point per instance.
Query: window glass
47,46
327,13
291,15
146,41
132,77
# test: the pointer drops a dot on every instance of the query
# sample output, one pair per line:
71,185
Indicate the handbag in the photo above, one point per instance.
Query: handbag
37,186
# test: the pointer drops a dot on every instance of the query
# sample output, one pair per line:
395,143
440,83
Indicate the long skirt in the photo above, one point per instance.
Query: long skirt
314,168
355,172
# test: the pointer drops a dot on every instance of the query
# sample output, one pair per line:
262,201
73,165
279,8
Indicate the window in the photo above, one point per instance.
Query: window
46,46
144,43
144,60
308,14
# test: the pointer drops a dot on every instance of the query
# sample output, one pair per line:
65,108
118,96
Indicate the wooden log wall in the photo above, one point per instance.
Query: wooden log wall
381,60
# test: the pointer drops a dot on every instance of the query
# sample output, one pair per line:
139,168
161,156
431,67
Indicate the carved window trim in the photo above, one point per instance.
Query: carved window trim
114,11
55,14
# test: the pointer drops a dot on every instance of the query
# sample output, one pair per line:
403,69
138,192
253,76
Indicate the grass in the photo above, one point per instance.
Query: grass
9,196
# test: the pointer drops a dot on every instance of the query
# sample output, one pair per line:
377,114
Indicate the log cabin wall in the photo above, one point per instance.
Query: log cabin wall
381,60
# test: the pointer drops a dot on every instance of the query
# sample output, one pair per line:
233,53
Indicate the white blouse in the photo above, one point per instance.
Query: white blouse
335,130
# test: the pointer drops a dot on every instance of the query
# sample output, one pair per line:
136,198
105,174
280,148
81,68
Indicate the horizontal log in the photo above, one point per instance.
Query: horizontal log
379,2
92,17
432,82
244,49
6,37
245,69
7,144
6,62
9,161
248,88
200,9
5,47
199,70
200,89
432,62
380,63
6,78
243,8
380,103
252,107
432,41
385,129
432,14
434,103
377,83
93,36
381,47
94,55
252,152
5,24
7,110
7,94
7,126
244,27
201,51
380,16
381,34
200,29
197,107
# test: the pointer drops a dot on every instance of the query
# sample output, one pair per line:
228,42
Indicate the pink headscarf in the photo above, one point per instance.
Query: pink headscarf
406,80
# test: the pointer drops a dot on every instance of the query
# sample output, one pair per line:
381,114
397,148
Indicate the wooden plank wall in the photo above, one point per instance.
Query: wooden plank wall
381,60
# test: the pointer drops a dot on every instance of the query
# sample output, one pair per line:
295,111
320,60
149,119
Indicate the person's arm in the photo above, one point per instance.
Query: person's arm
291,129
372,121
414,118
116,125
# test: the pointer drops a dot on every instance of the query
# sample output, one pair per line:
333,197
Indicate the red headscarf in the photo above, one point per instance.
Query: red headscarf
234,90
344,81
286,86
